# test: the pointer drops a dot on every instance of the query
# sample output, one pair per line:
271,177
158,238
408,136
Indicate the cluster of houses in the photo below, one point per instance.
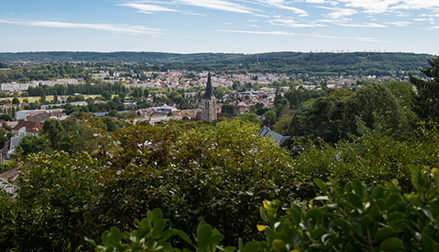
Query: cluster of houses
182,79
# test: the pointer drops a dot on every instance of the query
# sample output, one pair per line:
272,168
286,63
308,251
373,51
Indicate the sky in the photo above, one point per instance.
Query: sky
220,26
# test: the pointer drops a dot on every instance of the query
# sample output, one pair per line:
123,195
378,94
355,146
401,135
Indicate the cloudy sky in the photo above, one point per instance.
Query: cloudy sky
237,26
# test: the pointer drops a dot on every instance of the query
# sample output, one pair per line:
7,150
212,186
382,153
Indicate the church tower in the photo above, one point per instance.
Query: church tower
209,102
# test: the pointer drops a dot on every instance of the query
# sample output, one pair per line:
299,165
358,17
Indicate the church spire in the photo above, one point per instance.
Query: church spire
209,90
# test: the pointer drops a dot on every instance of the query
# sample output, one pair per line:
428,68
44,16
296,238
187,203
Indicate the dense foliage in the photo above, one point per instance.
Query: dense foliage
427,101
220,175
350,218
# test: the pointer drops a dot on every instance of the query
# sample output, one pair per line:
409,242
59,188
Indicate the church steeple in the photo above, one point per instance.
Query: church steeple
209,102
208,94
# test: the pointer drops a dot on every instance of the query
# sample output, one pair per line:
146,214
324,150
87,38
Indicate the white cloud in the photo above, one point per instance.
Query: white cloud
370,6
399,23
347,23
382,6
321,2
129,29
338,12
146,8
218,5
401,14
368,39
194,14
293,23
280,4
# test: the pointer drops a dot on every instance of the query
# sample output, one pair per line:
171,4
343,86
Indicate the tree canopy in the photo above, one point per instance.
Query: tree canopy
426,102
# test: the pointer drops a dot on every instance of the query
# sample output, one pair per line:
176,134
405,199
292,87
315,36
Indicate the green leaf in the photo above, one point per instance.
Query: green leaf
250,247
382,234
115,235
391,243
158,228
168,233
184,236
426,212
321,185
359,189
229,249
318,232
279,246
342,224
365,222
216,239
204,234
93,243
313,212
354,200
377,192
240,244
296,216
391,199
434,209
156,214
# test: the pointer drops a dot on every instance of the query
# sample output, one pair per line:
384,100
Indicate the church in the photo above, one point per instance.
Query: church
209,102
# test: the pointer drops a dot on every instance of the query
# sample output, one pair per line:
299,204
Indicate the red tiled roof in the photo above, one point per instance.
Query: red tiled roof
31,127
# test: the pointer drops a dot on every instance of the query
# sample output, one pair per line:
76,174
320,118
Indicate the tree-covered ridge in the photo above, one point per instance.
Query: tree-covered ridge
277,62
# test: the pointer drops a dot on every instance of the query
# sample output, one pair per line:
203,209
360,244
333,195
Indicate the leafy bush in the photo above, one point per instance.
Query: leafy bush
374,159
48,214
219,175
353,218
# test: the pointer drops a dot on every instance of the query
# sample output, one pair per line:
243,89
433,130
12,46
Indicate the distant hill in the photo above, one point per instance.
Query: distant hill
285,62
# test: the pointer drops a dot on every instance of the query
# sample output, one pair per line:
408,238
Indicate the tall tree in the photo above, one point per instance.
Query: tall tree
426,102
370,104
54,129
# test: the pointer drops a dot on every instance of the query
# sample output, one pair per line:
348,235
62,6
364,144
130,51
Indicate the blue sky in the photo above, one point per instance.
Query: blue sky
237,26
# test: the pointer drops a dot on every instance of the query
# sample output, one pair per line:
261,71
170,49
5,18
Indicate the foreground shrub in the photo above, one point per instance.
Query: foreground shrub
374,159
353,218
48,213
219,175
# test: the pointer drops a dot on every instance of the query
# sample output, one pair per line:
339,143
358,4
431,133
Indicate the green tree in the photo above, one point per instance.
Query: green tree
321,120
271,115
251,117
15,101
372,103
106,94
113,113
116,99
403,92
33,144
219,92
228,108
55,97
111,126
54,130
426,103
341,93
43,96
6,117
122,96
79,97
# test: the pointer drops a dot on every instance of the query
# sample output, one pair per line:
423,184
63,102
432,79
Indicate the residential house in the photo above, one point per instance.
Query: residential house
276,137
27,128
7,180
